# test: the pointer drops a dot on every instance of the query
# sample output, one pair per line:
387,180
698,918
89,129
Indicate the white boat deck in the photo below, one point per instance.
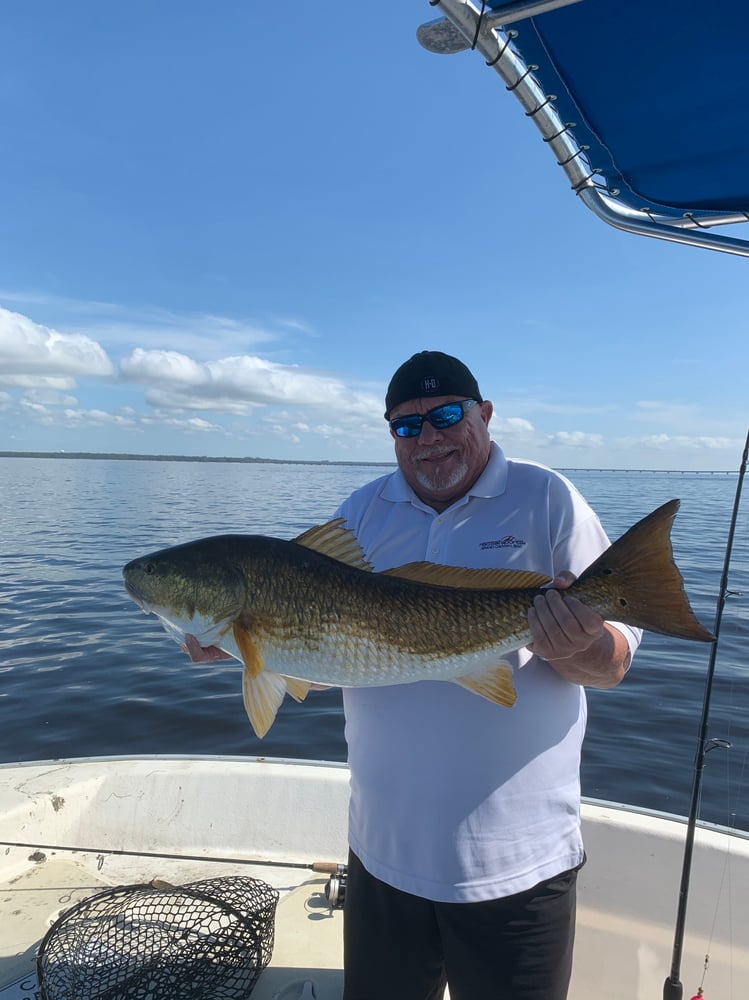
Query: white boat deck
307,932
292,814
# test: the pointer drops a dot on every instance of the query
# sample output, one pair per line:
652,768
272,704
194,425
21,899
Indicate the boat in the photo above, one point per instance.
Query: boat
71,830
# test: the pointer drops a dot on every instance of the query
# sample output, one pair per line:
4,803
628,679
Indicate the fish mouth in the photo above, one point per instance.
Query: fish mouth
139,599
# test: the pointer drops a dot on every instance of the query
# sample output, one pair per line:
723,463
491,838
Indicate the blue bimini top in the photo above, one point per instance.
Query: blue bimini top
650,96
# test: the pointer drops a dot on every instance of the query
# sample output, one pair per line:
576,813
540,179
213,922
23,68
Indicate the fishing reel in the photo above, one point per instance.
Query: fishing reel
335,887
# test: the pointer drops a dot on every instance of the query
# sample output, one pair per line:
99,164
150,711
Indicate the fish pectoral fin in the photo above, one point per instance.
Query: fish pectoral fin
263,694
468,579
332,539
297,689
495,684
251,656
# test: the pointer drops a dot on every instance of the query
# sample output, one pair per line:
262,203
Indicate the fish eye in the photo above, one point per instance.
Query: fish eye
149,569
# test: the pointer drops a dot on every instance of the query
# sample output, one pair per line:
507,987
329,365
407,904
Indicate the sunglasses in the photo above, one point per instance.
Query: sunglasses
440,417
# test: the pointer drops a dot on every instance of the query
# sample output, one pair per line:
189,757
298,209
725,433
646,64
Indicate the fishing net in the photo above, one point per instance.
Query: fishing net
207,940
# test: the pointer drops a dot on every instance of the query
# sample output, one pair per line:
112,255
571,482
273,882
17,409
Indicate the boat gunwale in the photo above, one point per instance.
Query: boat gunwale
592,808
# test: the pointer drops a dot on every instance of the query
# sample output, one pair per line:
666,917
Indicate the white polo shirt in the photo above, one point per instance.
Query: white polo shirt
454,798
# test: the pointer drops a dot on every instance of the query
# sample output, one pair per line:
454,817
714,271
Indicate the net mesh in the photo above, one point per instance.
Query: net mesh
206,940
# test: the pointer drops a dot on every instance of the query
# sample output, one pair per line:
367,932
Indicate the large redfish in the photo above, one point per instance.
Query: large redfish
311,611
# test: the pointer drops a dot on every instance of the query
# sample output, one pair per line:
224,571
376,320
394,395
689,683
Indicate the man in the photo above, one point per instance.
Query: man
464,816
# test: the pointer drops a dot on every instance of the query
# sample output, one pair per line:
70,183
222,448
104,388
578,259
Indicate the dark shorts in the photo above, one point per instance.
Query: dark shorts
401,947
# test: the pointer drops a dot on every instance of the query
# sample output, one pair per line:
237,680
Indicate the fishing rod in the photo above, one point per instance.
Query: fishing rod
324,867
673,988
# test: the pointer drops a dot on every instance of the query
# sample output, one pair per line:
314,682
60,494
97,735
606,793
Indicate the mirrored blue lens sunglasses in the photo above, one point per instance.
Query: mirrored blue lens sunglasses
440,417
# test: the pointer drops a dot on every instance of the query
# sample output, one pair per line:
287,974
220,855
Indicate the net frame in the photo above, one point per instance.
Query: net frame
205,940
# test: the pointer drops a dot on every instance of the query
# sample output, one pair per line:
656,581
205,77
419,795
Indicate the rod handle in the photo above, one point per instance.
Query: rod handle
328,867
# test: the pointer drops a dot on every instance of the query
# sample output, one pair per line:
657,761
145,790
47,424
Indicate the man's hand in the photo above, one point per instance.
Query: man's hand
202,654
562,626
574,638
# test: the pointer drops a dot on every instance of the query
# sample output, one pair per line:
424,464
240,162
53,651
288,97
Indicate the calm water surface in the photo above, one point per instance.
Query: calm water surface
84,672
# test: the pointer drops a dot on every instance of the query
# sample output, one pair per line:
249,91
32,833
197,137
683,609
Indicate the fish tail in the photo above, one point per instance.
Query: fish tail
648,590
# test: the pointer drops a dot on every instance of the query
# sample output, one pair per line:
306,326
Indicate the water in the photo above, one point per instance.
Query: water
84,672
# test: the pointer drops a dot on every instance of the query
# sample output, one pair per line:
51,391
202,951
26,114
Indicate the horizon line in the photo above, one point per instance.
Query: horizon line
137,457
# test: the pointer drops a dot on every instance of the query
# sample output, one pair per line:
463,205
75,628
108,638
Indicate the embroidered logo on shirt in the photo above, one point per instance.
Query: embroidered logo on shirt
508,542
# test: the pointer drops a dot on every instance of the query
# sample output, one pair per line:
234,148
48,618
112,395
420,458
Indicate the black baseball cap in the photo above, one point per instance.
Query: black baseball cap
430,373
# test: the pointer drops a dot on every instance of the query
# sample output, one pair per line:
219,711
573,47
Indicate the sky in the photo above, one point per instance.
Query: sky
224,225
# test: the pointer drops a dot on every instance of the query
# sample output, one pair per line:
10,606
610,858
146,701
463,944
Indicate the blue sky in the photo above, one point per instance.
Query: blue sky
223,225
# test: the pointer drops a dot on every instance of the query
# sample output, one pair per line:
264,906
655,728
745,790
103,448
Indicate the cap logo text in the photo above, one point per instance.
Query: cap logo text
430,383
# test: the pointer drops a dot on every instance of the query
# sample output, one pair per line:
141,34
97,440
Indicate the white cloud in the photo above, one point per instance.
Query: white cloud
196,424
575,439
182,386
191,424
180,332
198,376
270,382
518,426
298,325
35,409
70,417
29,382
236,384
179,401
50,397
671,442
162,366
117,325
33,352
98,418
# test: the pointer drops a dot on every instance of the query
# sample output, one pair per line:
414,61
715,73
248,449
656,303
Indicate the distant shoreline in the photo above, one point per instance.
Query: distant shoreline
127,457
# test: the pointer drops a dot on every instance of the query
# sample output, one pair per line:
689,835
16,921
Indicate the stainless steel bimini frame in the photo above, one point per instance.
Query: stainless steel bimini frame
464,27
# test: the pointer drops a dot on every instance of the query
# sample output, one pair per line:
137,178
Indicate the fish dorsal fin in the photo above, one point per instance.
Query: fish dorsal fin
468,579
332,539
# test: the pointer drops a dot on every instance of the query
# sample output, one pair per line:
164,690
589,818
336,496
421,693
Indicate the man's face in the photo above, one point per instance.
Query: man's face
440,466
